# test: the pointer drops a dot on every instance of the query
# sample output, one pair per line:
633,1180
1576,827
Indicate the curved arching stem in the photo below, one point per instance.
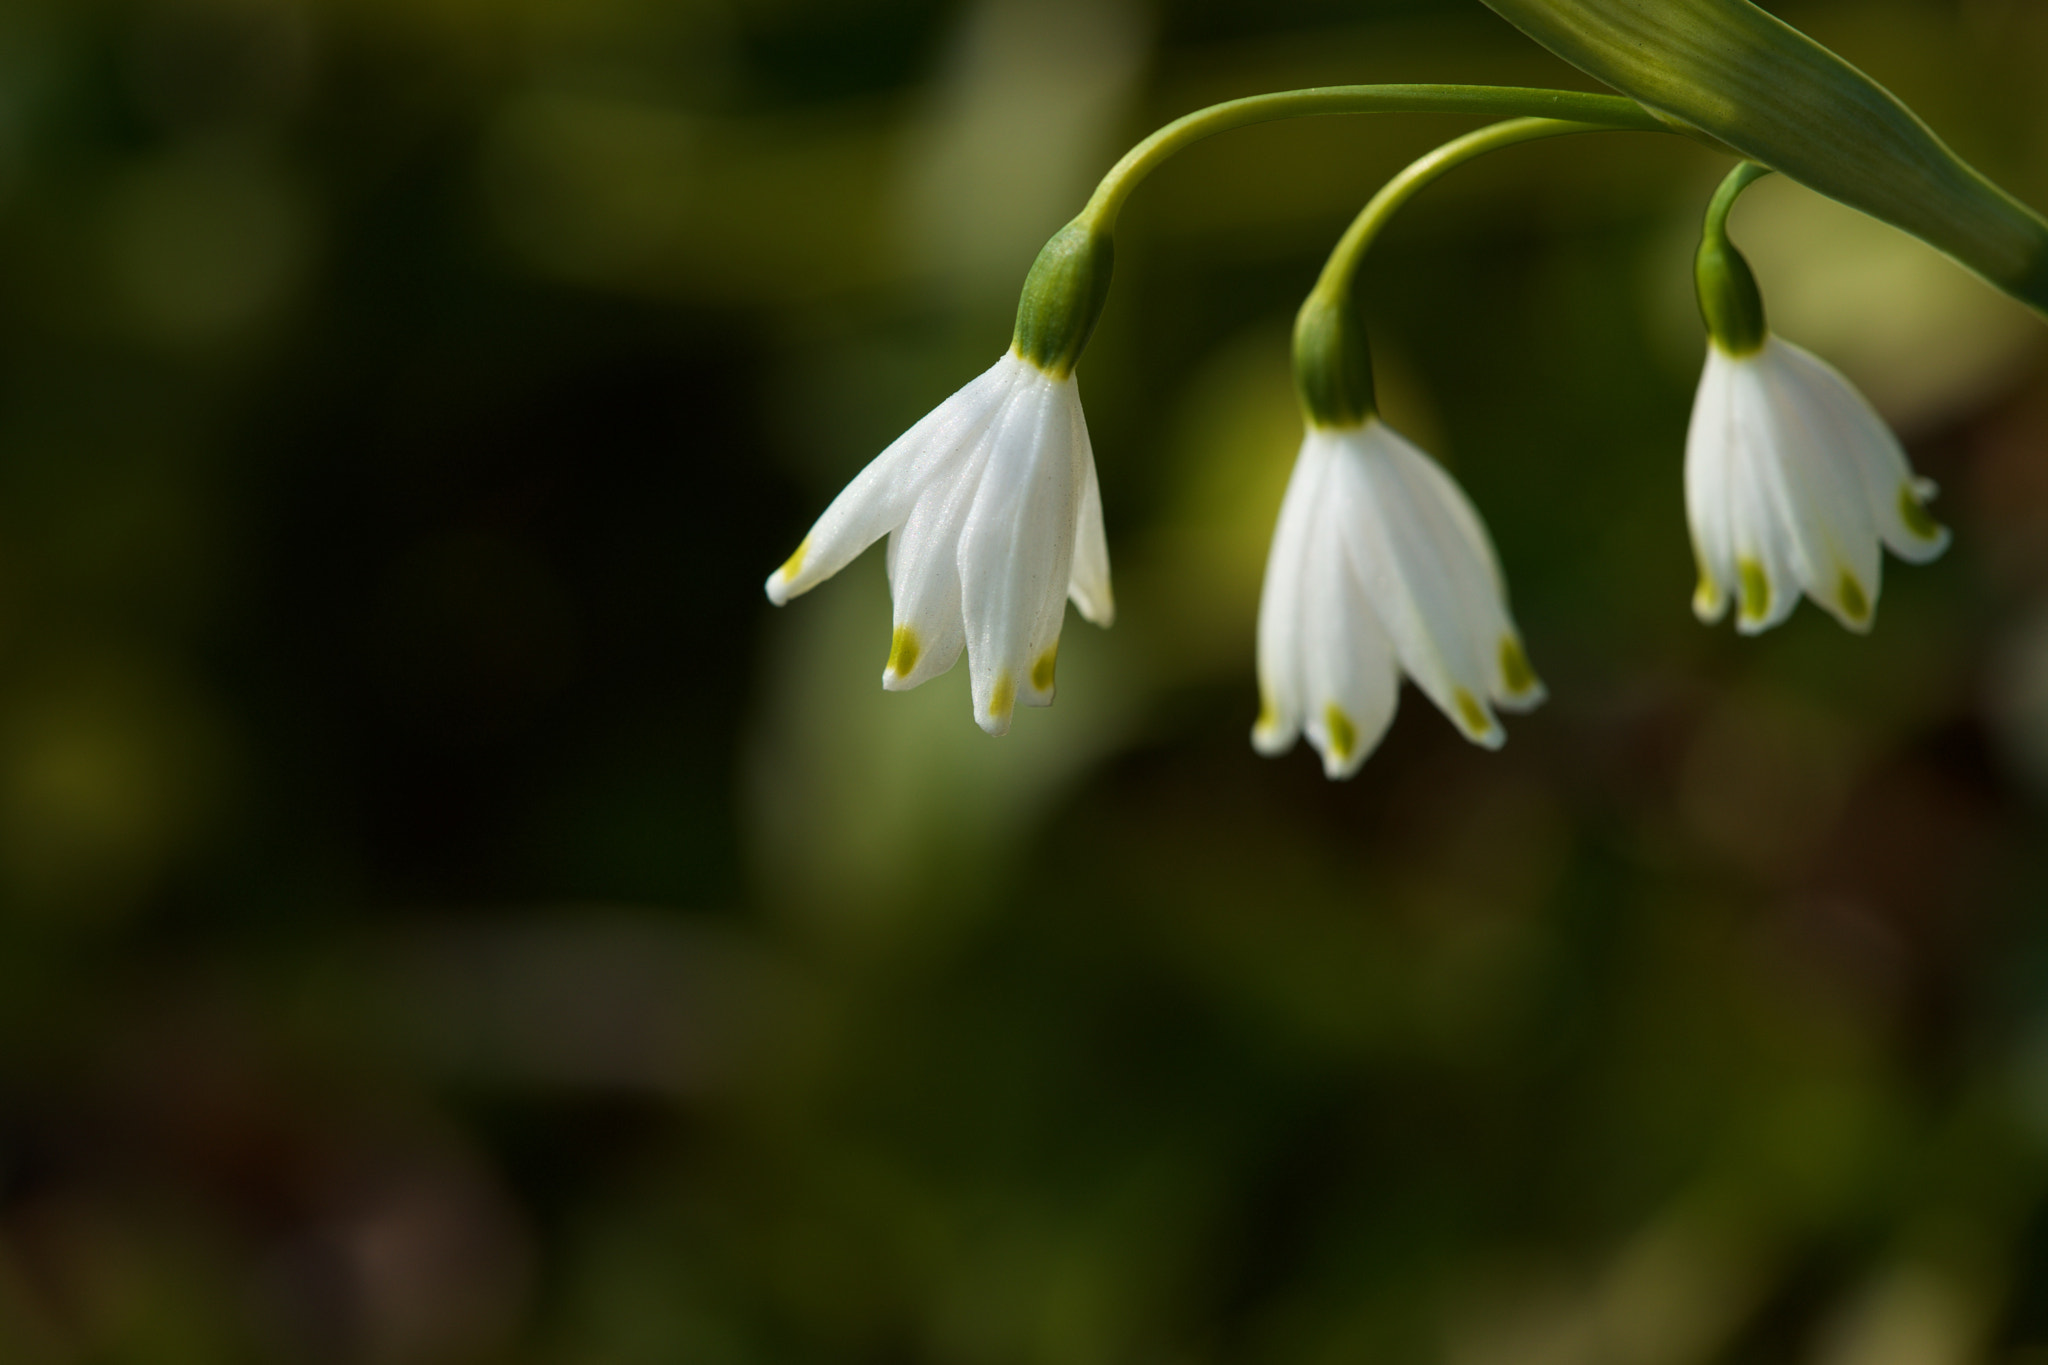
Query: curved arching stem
1334,284
1332,359
1731,305
1588,111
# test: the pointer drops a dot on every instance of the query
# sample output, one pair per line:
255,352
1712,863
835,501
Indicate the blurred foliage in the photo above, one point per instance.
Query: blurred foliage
447,916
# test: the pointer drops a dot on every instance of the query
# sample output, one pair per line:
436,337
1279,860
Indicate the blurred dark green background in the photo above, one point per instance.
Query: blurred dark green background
446,915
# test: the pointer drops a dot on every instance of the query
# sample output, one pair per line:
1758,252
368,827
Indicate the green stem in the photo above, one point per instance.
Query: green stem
1730,303
1602,111
1738,180
1334,284
1332,360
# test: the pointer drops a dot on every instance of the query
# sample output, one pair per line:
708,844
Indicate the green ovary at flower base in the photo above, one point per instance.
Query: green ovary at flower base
1063,297
1793,483
1727,72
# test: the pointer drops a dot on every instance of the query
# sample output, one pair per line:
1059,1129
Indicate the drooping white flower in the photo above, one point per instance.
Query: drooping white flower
994,521
1793,482
1380,565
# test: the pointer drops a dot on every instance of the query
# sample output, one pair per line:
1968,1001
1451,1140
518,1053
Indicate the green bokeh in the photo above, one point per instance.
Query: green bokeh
447,915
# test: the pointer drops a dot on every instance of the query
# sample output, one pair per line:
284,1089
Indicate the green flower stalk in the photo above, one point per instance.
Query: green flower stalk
1733,76
1731,305
1069,283
1332,360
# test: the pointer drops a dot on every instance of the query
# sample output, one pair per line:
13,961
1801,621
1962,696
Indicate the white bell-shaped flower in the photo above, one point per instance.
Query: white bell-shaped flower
994,520
1380,565
1794,483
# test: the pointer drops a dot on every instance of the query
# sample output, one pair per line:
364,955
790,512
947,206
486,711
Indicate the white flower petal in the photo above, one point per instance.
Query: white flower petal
1908,528
1896,499
1708,499
1282,688
1089,585
1833,543
880,497
1424,583
1016,551
1468,555
1765,588
1063,438
927,632
1350,681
